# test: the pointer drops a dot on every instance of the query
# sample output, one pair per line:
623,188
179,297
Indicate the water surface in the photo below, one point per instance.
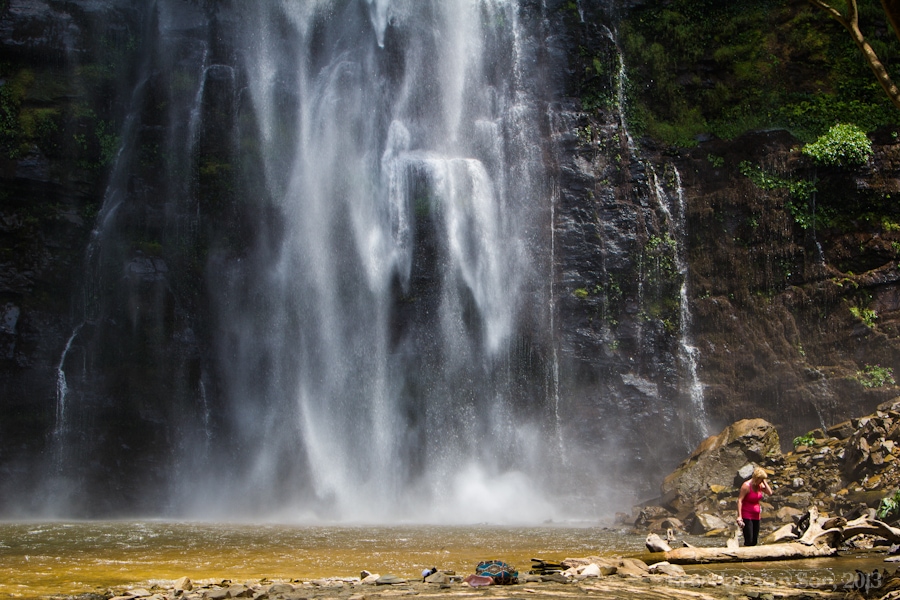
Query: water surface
38,559
72,557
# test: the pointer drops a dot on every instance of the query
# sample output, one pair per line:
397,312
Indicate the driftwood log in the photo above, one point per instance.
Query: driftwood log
822,537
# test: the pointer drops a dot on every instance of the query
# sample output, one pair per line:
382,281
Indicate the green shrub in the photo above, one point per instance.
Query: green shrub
844,145
804,440
874,376
866,315
890,505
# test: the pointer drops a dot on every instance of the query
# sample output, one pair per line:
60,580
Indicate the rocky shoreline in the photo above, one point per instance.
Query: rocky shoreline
586,577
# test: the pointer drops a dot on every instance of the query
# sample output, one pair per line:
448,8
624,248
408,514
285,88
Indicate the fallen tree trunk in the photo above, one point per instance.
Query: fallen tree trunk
783,551
822,538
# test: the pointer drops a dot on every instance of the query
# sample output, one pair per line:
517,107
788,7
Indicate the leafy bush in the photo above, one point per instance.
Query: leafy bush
844,145
866,315
874,376
804,440
890,505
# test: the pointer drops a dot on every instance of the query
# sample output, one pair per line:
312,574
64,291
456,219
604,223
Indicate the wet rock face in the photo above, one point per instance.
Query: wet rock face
778,306
52,175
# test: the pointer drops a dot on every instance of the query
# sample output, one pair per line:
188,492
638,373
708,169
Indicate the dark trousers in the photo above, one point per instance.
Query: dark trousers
751,532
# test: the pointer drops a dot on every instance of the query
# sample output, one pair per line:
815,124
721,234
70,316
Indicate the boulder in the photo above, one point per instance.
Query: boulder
717,461
667,568
632,567
705,523
651,514
280,588
438,577
783,534
657,544
591,570
787,514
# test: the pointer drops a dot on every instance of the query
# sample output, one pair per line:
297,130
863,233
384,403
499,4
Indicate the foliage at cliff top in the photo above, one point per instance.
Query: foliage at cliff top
843,145
701,67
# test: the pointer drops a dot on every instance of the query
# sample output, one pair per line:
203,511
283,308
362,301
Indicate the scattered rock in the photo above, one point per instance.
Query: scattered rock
632,567
438,577
705,523
183,584
666,568
782,534
280,588
657,544
591,570
390,580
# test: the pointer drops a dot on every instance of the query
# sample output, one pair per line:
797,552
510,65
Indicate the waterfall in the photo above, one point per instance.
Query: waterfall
62,390
329,278
696,428
370,338
689,351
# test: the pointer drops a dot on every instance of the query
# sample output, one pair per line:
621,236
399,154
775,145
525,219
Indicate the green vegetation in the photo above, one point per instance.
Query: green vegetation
866,315
724,68
804,440
874,376
659,255
844,145
716,161
889,506
800,192
12,94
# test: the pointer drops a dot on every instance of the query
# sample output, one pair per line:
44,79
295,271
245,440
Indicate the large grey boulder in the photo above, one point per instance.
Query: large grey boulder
717,461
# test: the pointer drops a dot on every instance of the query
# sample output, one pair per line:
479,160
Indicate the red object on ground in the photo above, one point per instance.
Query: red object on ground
479,580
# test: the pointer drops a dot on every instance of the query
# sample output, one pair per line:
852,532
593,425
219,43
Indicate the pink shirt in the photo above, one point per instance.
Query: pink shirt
750,508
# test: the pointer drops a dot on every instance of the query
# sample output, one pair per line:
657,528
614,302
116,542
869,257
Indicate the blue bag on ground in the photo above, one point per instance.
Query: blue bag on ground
499,571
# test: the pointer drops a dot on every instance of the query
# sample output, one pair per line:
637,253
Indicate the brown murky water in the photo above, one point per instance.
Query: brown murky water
41,559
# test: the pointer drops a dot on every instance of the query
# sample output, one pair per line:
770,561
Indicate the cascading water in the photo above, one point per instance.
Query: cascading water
370,346
690,352
696,428
329,279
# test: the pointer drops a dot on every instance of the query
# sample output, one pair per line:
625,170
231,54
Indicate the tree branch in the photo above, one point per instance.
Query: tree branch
892,10
850,22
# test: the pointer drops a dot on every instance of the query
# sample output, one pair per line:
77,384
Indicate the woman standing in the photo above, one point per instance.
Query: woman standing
748,508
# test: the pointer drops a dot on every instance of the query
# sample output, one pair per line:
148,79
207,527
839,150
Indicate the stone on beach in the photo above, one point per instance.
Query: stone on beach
655,543
183,584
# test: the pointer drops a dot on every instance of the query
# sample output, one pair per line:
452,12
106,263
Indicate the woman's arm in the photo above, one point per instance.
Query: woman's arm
765,488
744,487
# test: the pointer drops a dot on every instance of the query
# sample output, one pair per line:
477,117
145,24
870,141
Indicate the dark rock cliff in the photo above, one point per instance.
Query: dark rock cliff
770,301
